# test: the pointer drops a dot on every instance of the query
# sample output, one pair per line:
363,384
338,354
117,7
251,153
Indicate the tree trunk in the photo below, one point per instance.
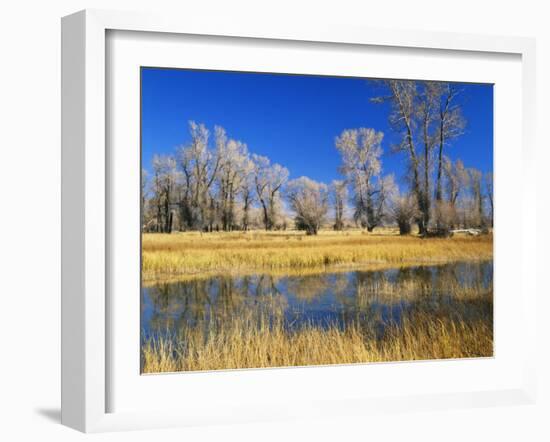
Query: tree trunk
416,181
421,227
245,217
272,212
404,227
171,219
438,193
266,216
426,214
159,217
311,230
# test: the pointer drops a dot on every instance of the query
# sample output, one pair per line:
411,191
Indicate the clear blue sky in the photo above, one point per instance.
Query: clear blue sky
292,119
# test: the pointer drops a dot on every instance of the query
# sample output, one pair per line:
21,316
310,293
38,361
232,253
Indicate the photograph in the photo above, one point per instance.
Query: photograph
306,220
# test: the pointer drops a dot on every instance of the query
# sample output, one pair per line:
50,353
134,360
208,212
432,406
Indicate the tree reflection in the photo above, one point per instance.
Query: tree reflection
373,299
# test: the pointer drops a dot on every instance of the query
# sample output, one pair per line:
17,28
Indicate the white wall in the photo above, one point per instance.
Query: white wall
30,215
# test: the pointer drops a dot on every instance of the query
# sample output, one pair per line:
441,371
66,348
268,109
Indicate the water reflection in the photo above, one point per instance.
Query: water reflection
373,299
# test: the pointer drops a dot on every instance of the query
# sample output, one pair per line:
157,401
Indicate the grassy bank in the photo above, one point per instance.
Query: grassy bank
192,253
246,342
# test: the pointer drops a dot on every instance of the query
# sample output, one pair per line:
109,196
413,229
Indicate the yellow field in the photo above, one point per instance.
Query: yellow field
194,253
248,338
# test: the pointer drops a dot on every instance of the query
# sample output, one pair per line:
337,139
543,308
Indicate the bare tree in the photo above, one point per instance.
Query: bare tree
233,160
465,196
200,167
157,193
309,199
428,98
456,177
186,189
361,150
424,114
450,125
403,98
477,197
456,183
208,187
165,178
339,190
247,191
143,195
268,180
404,210
489,193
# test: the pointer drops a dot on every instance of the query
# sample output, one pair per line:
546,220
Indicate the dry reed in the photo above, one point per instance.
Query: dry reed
166,256
250,340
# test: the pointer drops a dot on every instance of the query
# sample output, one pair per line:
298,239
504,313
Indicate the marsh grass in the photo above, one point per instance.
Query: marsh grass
251,342
443,314
193,253
431,327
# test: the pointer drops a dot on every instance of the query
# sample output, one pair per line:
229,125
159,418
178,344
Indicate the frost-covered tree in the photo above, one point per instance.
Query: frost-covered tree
360,151
426,117
476,216
339,193
456,181
143,205
426,109
200,166
233,162
309,200
403,212
488,178
403,97
450,125
246,191
165,177
268,181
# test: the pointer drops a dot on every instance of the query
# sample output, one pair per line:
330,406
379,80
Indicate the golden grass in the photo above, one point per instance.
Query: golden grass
246,342
239,336
193,253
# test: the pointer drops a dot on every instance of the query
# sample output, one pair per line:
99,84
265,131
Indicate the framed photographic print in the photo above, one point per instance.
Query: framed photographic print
279,222
315,242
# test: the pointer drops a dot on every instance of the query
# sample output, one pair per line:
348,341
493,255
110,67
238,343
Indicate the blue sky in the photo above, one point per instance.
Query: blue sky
292,119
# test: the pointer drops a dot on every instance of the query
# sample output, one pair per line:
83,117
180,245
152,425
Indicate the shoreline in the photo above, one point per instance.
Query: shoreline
190,255
281,272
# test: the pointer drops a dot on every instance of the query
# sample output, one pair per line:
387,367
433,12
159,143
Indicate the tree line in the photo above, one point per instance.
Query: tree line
215,183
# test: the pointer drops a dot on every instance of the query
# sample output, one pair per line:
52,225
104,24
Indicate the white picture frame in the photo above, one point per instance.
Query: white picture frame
86,234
